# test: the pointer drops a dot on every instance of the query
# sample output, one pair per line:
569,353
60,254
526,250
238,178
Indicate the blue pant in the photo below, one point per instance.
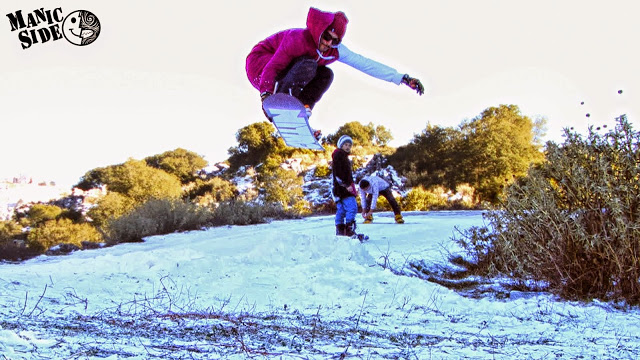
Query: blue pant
347,209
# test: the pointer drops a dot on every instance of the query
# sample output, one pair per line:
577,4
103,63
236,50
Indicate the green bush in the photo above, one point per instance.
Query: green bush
237,213
9,230
467,194
110,207
420,199
62,231
156,217
282,186
573,222
134,179
41,213
212,191
322,171
183,164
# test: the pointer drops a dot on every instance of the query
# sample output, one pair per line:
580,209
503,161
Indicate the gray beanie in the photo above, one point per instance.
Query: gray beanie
343,139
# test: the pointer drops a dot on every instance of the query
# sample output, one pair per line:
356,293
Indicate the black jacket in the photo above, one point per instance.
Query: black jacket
342,176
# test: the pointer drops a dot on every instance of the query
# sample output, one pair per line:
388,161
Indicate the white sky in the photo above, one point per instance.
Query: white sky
166,74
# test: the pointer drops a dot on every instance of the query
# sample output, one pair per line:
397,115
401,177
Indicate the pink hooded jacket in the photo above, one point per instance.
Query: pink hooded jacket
273,54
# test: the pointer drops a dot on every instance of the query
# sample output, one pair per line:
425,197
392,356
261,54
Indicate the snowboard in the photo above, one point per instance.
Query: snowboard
290,119
361,237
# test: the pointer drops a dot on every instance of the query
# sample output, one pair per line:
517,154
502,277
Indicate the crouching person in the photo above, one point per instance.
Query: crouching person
344,189
370,188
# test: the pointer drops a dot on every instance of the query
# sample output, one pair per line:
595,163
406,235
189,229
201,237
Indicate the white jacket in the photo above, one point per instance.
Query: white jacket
368,66
376,184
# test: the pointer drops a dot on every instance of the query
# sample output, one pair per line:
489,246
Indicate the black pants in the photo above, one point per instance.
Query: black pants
387,195
305,80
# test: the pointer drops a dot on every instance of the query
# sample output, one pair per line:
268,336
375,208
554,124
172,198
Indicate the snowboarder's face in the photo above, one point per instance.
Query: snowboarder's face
327,39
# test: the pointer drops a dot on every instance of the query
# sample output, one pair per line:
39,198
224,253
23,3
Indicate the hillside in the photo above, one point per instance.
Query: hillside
291,290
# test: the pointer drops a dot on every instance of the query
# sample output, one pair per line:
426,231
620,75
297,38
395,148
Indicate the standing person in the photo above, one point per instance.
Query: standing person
294,61
370,188
344,189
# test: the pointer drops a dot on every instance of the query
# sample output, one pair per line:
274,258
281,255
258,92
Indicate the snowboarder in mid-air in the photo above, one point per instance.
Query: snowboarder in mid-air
294,61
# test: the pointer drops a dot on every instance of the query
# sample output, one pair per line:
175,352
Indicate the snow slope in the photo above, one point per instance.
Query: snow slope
289,290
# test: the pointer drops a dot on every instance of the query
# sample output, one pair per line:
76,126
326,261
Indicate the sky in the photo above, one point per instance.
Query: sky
163,75
292,290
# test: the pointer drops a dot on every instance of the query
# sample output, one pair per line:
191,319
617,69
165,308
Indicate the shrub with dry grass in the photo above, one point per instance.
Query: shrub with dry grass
572,222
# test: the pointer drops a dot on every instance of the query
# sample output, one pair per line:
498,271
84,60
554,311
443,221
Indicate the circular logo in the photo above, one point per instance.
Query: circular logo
81,27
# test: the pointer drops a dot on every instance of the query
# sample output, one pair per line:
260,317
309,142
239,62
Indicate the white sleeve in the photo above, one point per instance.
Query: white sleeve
368,66
363,198
375,192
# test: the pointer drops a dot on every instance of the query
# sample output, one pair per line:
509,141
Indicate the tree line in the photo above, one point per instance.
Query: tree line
482,153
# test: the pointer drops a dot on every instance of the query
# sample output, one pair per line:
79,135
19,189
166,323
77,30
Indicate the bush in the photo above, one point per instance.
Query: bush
322,171
9,230
420,199
62,231
237,213
282,186
208,192
41,213
573,221
15,250
183,164
466,195
110,207
156,217
134,179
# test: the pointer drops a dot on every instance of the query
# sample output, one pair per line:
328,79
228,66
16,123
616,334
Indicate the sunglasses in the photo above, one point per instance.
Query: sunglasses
328,37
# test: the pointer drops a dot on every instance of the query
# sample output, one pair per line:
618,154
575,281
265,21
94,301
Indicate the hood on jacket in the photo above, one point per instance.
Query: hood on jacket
318,21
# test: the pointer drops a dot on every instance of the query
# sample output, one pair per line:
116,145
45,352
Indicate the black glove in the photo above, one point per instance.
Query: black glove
265,95
413,83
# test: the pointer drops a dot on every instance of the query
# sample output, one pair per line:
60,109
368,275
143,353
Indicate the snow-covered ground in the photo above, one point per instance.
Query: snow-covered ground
289,290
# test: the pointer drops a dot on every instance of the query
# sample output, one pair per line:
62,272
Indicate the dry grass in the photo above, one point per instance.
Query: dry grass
572,222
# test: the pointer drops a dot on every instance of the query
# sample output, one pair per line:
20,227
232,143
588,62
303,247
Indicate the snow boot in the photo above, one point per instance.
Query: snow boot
340,229
368,219
350,228
399,219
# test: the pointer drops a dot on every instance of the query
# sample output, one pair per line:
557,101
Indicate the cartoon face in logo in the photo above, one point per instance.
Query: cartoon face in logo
81,27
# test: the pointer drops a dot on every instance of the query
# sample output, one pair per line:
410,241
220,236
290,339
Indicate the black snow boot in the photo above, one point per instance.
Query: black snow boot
340,230
350,229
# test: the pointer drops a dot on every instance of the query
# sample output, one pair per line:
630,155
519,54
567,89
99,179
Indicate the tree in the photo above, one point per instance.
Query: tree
134,179
382,136
255,143
41,213
94,178
141,182
497,147
182,163
361,135
431,158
